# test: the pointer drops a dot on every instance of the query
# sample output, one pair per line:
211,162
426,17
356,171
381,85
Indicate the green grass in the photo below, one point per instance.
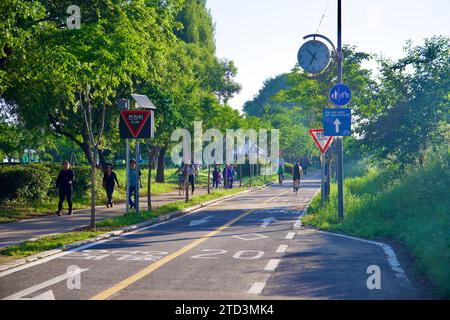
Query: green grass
52,242
47,243
413,210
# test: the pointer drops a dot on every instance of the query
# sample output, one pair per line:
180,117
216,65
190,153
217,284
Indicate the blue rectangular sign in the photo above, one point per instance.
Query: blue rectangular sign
337,122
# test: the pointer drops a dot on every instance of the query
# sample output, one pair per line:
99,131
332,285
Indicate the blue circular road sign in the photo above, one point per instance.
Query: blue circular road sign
340,95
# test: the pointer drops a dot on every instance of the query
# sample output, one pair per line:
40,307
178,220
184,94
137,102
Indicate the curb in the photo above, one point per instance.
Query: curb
121,231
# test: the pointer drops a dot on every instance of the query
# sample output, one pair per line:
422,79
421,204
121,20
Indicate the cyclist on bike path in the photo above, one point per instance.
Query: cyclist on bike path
280,173
297,173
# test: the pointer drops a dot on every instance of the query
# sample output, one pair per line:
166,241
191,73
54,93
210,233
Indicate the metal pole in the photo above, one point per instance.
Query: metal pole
186,180
209,178
137,177
339,140
322,170
240,176
127,164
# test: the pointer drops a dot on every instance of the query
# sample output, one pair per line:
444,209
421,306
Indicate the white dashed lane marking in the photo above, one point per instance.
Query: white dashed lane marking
282,248
290,236
257,288
272,265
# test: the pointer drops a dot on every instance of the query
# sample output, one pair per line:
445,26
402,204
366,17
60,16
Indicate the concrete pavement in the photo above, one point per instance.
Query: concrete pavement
249,247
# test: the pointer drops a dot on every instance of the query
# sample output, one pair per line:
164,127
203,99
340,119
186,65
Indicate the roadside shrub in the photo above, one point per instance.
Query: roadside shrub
27,183
36,182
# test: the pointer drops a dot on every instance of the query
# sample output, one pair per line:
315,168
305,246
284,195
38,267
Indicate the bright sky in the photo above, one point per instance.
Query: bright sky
263,36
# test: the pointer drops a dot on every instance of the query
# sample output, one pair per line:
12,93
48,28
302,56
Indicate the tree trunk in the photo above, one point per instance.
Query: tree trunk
93,169
160,168
209,178
240,176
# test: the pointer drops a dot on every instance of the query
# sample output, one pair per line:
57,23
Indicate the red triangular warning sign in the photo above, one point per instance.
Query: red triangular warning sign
323,142
135,120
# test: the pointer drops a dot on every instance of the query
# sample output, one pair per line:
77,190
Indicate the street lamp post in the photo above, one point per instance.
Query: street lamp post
340,145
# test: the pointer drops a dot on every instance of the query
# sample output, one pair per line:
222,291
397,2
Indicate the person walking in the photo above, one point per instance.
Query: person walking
64,182
192,174
226,176
232,176
216,176
109,182
132,184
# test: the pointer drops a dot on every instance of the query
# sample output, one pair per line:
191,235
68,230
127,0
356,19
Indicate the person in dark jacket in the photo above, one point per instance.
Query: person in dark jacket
216,176
109,182
226,176
64,183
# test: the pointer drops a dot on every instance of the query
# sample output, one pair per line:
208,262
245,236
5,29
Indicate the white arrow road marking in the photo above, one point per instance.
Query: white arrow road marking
267,221
43,285
194,223
337,123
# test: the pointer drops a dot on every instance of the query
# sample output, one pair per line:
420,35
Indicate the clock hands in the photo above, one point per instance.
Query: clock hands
313,58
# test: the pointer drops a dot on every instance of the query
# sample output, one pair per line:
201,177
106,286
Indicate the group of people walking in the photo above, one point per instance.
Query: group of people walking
228,175
66,178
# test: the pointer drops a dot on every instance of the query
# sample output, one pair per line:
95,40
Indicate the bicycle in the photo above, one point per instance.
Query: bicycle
181,184
280,179
296,185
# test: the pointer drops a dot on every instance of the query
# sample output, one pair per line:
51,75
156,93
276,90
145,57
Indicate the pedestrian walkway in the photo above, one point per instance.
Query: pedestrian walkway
15,232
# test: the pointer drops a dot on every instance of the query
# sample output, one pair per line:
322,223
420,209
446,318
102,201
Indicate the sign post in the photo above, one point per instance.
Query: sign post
340,142
323,142
136,124
138,180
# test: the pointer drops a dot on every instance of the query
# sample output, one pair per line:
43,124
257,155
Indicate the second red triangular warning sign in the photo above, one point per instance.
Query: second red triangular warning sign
135,120
323,142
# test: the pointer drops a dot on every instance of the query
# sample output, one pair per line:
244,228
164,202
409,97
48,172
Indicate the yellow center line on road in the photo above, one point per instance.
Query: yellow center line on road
154,266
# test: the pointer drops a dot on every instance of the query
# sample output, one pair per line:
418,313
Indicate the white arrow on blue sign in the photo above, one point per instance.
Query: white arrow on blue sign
340,95
337,122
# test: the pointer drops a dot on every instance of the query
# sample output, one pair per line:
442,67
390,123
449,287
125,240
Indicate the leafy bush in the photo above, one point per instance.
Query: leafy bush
24,182
36,182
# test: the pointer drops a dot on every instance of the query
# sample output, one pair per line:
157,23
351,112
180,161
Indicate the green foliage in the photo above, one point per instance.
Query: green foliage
412,209
17,182
263,101
412,115
36,183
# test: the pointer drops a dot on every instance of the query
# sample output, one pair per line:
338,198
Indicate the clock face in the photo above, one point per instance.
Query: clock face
314,56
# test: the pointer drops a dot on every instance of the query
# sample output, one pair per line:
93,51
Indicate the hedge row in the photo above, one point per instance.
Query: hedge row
36,182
